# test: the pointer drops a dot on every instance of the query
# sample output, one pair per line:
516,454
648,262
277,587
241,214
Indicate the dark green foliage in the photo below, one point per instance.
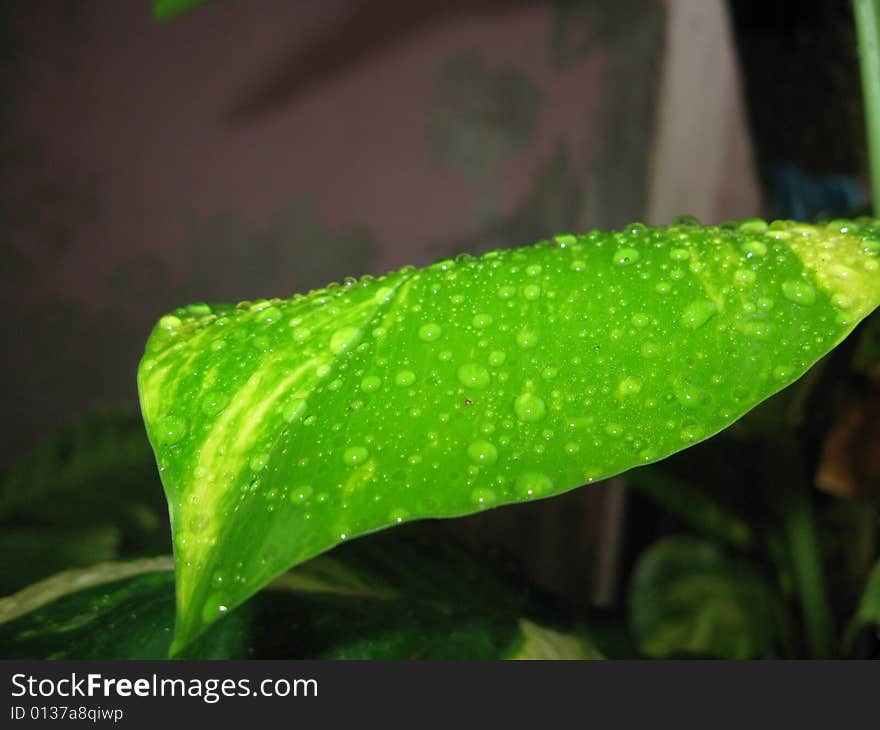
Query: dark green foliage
89,493
167,9
399,596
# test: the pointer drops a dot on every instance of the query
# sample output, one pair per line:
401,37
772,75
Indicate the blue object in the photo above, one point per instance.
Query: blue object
799,196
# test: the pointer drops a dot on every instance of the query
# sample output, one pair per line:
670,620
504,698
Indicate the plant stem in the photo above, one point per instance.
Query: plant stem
867,17
796,505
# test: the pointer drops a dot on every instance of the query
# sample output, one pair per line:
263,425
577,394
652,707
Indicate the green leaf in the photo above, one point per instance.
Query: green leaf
543,643
66,478
108,611
687,598
28,554
61,488
370,600
167,9
868,614
693,506
283,428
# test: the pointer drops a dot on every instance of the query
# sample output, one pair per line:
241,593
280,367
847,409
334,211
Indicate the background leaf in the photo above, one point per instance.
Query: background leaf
30,554
395,596
282,428
89,493
688,598
167,9
867,616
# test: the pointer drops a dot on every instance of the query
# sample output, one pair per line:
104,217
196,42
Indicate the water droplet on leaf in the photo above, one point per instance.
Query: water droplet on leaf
799,292
482,452
342,339
172,430
529,408
371,383
473,375
430,332
697,313
626,256
355,455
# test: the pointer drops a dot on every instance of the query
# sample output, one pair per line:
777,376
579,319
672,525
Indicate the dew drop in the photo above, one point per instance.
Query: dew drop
482,452
173,429
404,378
270,315
214,404
532,484
397,516
170,322
342,339
497,358
754,225
301,495
529,408
629,386
799,292
473,375
531,291
199,309
430,332
481,320
483,497
687,394
626,256
215,606
258,462
755,248
783,372
745,277
871,248
371,383
526,338
697,313
355,455
294,409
